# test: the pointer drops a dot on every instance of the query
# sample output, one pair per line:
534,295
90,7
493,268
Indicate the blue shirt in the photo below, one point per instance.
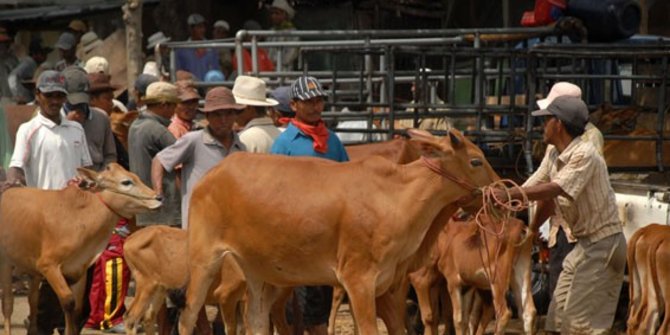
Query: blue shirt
187,60
293,142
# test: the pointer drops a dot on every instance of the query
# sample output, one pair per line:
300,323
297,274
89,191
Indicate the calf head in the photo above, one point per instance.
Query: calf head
121,190
459,160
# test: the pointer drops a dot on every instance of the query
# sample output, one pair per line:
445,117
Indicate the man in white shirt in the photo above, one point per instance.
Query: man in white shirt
49,148
47,152
258,131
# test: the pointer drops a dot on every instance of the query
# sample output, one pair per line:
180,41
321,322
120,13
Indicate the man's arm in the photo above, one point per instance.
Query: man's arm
157,173
543,191
16,176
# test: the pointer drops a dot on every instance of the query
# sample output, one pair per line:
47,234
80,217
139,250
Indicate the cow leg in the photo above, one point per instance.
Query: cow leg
156,304
663,269
391,308
79,293
7,294
457,306
33,300
261,297
361,292
499,290
475,310
140,304
423,282
338,296
205,265
650,303
278,312
633,283
522,286
67,300
485,315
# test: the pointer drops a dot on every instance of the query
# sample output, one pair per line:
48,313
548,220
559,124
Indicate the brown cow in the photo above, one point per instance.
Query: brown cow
398,150
58,234
158,259
469,254
646,255
323,223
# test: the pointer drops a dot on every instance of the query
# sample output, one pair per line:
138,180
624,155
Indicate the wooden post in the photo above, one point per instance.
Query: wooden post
644,19
132,17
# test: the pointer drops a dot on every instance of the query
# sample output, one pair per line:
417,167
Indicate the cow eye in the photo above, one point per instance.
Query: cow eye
476,162
127,182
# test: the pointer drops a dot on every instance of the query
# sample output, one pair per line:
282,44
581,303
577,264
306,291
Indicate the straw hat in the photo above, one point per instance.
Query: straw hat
251,91
283,5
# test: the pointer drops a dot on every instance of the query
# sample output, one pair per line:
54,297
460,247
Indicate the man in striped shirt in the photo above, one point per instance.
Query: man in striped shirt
573,178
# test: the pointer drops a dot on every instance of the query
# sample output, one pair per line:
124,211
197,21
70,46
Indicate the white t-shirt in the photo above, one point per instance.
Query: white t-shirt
50,154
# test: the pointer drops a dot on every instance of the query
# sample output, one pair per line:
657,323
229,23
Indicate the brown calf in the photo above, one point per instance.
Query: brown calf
58,234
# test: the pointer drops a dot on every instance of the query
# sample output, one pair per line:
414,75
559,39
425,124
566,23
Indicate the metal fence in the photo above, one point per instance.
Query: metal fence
486,81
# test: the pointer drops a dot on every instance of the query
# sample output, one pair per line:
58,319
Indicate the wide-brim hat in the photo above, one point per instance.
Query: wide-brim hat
284,5
161,92
251,91
157,38
100,82
186,91
220,98
90,41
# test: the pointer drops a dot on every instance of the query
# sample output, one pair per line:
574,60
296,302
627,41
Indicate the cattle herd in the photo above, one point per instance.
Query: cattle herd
261,224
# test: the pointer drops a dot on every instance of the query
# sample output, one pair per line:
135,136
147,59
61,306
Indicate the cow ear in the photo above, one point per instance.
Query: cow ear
89,175
455,140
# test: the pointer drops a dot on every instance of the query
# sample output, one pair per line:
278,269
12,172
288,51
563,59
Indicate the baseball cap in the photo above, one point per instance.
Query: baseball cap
282,95
222,24
305,88
220,98
97,64
213,76
559,89
143,81
51,81
66,41
77,85
194,19
570,110
160,91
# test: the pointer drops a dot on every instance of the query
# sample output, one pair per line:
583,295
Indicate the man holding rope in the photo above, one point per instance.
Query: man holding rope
573,179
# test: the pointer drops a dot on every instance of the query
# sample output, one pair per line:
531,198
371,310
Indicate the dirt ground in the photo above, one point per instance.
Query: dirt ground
344,324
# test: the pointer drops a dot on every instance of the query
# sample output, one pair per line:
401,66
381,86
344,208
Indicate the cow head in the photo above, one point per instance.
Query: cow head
456,156
121,190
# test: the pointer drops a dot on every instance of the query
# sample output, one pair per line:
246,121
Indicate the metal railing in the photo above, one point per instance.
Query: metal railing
490,77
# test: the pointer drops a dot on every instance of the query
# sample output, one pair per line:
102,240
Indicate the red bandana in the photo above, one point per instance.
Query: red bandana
318,133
